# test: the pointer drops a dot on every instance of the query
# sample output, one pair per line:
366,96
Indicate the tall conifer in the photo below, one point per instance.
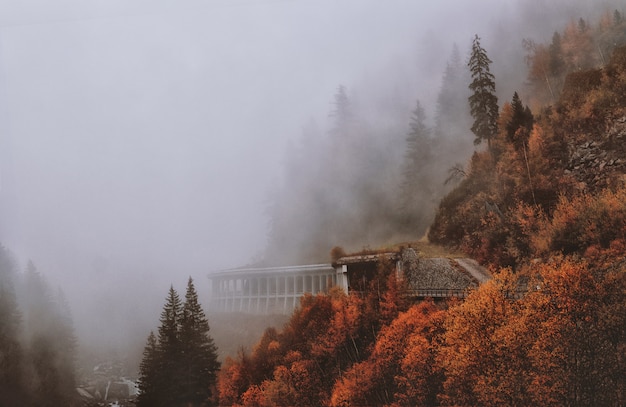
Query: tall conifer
483,101
179,367
149,374
170,347
417,182
12,390
199,355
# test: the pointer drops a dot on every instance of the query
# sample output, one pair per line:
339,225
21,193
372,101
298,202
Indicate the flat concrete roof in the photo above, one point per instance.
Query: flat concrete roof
239,272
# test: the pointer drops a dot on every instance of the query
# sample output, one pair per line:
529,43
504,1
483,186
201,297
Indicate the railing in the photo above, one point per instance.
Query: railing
436,293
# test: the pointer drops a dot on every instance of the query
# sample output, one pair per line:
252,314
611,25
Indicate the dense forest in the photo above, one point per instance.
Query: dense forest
541,202
37,343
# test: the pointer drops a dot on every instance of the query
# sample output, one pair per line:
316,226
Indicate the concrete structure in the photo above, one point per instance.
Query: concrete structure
277,290
271,290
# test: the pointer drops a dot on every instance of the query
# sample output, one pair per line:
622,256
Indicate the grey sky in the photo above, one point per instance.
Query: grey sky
140,139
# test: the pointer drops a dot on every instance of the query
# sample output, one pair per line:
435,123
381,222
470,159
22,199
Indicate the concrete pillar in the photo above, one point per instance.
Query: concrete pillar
285,293
342,277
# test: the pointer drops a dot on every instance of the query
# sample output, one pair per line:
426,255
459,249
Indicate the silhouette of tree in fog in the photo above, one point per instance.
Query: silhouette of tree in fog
149,372
169,348
199,357
180,367
417,181
37,342
452,113
343,110
52,345
483,101
12,391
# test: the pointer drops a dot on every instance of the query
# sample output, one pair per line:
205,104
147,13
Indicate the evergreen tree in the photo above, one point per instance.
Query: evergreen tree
343,110
483,101
417,188
12,391
52,344
149,374
62,335
452,115
556,64
199,356
170,349
522,118
179,367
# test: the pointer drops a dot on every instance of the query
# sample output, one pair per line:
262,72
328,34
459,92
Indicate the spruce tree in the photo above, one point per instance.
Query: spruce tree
12,391
343,110
522,118
149,374
180,366
51,340
417,187
557,65
170,349
199,356
452,114
483,101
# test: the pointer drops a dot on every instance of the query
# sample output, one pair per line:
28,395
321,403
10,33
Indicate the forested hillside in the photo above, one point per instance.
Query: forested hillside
374,176
376,173
37,343
548,183
542,202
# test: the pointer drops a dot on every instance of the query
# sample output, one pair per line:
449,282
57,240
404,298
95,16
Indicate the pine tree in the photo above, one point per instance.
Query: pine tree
170,349
149,374
522,118
64,339
452,115
52,344
199,351
179,367
483,101
417,188
12,391
556,64
343,110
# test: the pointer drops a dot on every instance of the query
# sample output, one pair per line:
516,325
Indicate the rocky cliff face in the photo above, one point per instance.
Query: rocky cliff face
599,160
592,116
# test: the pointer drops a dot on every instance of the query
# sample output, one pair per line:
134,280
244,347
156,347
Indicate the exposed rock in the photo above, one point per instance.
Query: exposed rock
596,159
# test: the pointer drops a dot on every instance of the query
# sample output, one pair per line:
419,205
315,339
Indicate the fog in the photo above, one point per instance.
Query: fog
140,141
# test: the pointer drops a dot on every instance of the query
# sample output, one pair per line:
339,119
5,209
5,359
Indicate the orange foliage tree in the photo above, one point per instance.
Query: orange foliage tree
585,223
401,369
482,354
324,337
556,338
580,318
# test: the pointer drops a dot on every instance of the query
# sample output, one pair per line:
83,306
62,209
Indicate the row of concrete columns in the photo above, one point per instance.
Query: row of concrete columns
269,293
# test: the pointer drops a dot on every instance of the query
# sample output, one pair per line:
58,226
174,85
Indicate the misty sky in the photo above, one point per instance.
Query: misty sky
140,140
